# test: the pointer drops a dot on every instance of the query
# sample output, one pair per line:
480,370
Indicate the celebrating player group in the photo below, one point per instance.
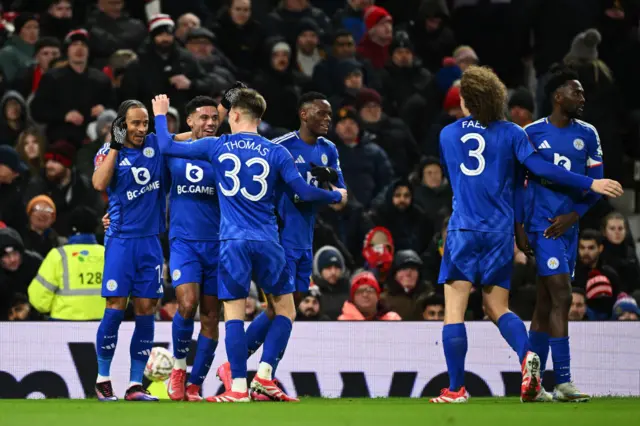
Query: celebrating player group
224,193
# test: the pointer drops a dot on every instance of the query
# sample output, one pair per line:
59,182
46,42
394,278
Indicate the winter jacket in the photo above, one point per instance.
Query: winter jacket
400,83
108,35
378,55
434,46
9,135
622,258
327,75
14,56
351,313
283,22
333,295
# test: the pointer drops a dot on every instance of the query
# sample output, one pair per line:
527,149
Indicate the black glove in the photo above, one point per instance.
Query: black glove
324,174
118,133
230,95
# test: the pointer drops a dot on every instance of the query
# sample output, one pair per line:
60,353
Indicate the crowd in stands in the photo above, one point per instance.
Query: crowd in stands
390,70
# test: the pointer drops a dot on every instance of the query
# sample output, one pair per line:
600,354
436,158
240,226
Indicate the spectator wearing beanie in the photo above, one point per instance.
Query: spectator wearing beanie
71,97
310,308
57,21
404,286
13,173
61,182
164,67
102,134
331,278
521,107
28,80
15,117
17,268
111,28
365,166
40,237
17,52
375,44
626,308
432,34
431,190
308,51
364,301
451,111
403,76
431,307
390,134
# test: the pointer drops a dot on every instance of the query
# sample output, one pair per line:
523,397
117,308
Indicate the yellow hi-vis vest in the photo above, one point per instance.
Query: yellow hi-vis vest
69,282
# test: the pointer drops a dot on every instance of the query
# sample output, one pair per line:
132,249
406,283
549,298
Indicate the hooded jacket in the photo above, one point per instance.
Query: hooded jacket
333,295
405,303
9,135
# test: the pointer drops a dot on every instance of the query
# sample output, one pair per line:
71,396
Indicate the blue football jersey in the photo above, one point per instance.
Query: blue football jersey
137,191
299,217
482,164
194,211
576,148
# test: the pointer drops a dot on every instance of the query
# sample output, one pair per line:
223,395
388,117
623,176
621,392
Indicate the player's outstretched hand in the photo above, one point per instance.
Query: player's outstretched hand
324,173
118,133
522,241
230,95
106,221
561,224
160,105
342,192
608,187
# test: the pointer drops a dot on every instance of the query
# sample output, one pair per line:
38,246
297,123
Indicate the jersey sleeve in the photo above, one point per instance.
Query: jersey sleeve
285,165
100,156
335,164
594,150
522,147
197,150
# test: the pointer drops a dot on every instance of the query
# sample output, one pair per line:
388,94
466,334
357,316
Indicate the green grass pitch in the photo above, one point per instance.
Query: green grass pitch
321,412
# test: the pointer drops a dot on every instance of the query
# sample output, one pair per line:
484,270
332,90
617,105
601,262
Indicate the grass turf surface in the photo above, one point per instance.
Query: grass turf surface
316,411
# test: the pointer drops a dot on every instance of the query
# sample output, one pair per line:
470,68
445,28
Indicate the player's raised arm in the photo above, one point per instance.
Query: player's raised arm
197,150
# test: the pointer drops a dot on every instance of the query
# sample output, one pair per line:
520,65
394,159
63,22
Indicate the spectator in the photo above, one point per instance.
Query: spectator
431,33
351,18
432,307
186,23
626,308
39,236
350,81
590,261
58,19
432,257
118,63
328,77
15,112
284,19
19,309
64,185
310,308
168,305
375,44
521,107
279,86
578,310
28,80
200,42
12,212
404,286
366,167
308,53
451,111
465,56
390,134
70,97
378,250
618,254
364,301
31,148
111,29
87,153
173,120
240,37
324,235
17,52
17,268
164,67
404,76
76,295
330,275
431,190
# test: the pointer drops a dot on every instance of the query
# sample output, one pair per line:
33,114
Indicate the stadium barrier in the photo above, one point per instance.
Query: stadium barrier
337,359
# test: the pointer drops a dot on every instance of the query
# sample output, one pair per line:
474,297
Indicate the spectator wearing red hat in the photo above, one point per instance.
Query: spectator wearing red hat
111,29
451,111
17,52
375,44
70,97
363,303
389,133
63,185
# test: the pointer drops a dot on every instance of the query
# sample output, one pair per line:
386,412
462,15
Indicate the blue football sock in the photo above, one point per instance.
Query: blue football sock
107,338
276,341
539,342
257,332
236,342
181,331
204,357
454,341
141,344
515,333
561,357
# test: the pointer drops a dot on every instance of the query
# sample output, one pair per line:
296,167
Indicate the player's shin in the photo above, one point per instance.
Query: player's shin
257,332
205,352
454,341
140,349
561,357
106,340
236,343
182,331
515,333
274,346
539,342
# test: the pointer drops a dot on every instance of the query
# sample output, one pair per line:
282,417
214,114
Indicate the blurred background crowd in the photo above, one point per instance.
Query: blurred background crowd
390,69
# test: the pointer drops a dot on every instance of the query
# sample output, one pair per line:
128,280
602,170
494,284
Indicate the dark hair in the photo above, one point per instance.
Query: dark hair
125,106
310,97
578,290
485,96
250,101
592,234
428,300
341,33
46,42
199,102
560,75
18,299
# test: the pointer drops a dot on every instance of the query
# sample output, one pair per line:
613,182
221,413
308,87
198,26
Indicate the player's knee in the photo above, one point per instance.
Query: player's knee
188,306
119,303
209,324
561,301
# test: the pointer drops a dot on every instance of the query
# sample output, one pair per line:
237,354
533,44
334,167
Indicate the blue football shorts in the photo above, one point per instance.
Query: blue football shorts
554,256
195,262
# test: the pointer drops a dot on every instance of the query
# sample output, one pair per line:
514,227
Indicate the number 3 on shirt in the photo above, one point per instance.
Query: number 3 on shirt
475,153
233,175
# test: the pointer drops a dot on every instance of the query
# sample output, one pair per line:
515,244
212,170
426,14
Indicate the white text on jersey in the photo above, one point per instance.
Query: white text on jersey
246,144
131,195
